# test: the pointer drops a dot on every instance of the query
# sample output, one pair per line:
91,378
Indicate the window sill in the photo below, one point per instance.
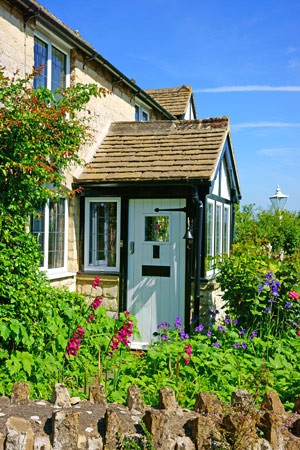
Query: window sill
60,275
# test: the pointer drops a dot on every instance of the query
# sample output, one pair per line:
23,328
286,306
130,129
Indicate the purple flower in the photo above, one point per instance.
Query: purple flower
178,324
220,328
244,345
213,313
183,335
199,328
236,345
288,305
267,310
235,321
217,344
253,335
208,334
242,331
164,337
163,325
227,320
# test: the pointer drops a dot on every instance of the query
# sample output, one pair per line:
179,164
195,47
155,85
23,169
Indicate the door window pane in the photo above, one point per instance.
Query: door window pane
157,228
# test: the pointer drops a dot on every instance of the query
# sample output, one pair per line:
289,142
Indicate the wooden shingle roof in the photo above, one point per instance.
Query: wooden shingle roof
158,150
175,100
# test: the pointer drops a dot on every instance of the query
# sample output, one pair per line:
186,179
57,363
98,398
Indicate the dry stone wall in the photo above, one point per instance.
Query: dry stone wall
66,423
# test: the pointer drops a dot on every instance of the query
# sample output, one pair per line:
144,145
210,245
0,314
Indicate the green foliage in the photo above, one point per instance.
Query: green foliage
40,136
263,227
251,261
223,358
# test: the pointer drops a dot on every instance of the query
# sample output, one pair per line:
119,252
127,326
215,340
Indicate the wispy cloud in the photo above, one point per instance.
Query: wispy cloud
278,151
238,126
249,88
287,156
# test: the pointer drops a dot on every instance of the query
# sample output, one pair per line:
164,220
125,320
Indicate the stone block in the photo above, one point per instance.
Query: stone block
20,393
19,434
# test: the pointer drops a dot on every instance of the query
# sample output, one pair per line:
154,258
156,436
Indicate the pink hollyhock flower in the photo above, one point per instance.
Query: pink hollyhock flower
122,335
96,303
294,295
96,282
188,350
91,318
298,333
186,360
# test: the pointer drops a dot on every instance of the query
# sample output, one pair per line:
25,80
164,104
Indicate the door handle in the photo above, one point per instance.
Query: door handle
131,247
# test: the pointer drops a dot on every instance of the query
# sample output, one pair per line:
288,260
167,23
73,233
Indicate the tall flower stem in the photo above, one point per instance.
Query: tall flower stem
99,374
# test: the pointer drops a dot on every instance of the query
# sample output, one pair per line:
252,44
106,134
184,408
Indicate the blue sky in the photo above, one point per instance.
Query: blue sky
241,58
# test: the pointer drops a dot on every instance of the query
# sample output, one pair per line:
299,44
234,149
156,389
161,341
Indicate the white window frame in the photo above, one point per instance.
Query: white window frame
101,267
44,266
52,41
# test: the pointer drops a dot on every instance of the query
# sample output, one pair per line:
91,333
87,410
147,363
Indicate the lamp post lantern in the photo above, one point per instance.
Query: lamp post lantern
278,200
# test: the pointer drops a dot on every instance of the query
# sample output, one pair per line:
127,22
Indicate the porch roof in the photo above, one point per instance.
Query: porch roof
175,100
160,150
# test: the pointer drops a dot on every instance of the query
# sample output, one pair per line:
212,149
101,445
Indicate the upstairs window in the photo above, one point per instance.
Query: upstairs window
50,230
141,114
54,64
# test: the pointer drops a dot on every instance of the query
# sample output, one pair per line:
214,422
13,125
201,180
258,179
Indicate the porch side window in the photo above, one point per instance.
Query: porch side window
218,232
102,234
226,229
53,64
50,229
209,234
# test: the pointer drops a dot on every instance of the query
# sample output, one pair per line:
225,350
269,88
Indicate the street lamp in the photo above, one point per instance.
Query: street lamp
278,200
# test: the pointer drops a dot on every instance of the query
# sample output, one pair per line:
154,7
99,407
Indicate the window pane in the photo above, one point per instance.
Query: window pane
145,116
37,227
56,234
103,234
58,76
40,59
226,230
209,233
157,228
137,113
218,234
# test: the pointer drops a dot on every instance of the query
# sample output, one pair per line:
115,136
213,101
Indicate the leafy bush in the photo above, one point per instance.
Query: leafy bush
258,226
